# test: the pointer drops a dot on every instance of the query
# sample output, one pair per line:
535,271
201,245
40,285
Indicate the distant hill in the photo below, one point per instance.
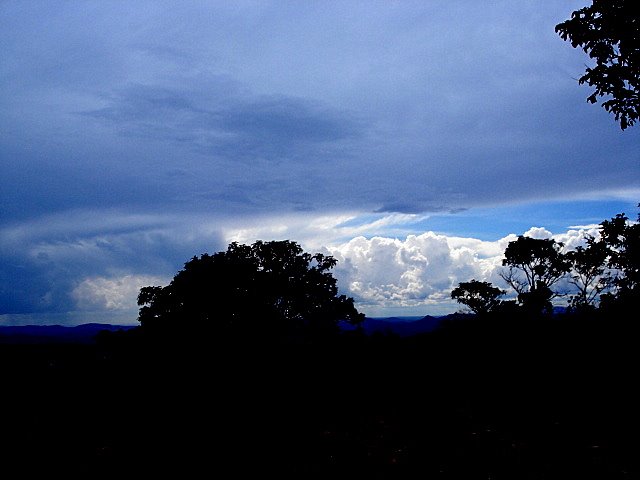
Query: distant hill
403,326
86,333
35,334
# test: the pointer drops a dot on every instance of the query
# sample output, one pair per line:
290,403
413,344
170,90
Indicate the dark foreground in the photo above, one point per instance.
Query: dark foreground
506,400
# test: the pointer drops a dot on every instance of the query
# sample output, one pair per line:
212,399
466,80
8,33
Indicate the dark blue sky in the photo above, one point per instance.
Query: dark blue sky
134,135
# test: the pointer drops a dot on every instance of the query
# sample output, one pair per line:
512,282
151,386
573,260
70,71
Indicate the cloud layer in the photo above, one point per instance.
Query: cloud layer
71,271
135,136
407,107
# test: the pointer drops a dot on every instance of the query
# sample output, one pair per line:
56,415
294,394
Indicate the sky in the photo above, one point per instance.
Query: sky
411,140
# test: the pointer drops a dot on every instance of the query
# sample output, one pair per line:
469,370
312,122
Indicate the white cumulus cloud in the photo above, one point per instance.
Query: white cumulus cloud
415,276
418,271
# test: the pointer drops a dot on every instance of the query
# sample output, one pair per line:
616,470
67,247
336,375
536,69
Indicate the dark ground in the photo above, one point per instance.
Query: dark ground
554,399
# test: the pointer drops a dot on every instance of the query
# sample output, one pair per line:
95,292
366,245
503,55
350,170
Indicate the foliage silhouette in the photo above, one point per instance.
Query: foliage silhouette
609,32
534,266
589,273
480,297
605,271
268,288
622,241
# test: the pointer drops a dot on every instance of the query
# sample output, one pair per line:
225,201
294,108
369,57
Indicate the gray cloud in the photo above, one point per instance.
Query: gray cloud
391,108
219,122
43,262
285,119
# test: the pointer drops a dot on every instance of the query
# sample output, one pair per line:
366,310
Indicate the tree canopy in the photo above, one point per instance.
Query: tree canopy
589,273
622,240
533,262
480,297
603,273
609,32
534,266
264,288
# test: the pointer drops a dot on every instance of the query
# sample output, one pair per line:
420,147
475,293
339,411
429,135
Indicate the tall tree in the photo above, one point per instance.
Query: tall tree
264,288
534,266
622,239
480,297
589,273
609,32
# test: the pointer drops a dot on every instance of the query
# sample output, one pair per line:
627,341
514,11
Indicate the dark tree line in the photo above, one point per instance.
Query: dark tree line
468,400
603,273
276,289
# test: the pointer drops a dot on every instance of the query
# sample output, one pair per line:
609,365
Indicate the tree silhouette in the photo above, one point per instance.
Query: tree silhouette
609,32
534,266
480,297
622,240
262,289
589,273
